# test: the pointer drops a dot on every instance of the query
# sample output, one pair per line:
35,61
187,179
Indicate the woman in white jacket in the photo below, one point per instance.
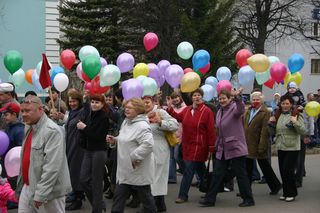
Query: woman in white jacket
160,121
135,158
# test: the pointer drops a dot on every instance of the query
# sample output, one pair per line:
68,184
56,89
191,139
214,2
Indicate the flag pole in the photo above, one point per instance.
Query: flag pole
51,98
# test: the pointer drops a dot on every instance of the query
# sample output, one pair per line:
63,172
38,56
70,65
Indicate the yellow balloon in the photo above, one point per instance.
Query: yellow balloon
296,77
259,62
140,69
190,82
287,79
313,108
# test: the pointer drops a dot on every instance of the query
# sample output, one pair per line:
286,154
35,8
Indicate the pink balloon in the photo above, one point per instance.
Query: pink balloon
186,70
224,85
205,69
150,41
87,86
278,71
81,74
12,161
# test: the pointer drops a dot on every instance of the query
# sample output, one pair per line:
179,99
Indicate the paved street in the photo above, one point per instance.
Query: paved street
308,200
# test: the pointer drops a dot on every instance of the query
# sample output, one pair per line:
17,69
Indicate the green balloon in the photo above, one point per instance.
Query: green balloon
13,61
91,66
185,50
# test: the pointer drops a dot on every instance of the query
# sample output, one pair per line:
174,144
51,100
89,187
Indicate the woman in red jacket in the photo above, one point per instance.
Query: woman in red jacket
198,139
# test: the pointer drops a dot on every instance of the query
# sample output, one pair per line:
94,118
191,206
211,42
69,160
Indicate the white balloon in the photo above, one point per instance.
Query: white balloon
223,73
61,82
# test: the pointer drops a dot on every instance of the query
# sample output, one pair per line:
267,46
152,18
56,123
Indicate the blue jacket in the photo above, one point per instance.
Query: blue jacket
15,132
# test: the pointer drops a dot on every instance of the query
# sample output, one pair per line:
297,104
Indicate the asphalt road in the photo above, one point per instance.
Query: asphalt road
308,200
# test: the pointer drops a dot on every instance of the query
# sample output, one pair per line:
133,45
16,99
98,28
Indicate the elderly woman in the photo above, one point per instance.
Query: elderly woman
287,125
255,124
231,148
135,162
198,139
160,121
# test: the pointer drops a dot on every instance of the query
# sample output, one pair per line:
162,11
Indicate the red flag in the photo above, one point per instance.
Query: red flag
44,77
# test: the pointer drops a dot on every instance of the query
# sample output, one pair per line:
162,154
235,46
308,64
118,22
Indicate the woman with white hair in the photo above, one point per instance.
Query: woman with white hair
255,123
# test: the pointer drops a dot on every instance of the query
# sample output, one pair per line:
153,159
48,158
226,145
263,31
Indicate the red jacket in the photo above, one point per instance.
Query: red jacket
199,133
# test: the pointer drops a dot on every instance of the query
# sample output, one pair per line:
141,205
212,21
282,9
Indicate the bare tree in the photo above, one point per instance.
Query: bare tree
259,21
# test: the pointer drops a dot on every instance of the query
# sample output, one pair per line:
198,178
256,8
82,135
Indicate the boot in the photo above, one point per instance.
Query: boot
75,205
160,204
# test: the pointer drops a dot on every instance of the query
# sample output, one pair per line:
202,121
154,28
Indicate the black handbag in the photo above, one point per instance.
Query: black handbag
207,178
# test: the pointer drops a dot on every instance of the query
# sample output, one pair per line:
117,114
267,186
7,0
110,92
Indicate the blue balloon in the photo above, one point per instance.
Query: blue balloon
295,63
35,81
246,75
212,81
55,71
200,59
208,92
223,73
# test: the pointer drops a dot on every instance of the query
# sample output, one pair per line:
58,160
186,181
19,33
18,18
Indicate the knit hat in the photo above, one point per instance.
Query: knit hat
11,107
292,85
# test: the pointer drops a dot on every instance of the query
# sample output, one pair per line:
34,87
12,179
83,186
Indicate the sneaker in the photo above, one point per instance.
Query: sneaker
179,200
290,199
282,198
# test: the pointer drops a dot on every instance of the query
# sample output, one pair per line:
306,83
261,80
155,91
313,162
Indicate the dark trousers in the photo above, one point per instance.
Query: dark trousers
143,192
238,165
287,162
91,178
190,168
271,178
300,167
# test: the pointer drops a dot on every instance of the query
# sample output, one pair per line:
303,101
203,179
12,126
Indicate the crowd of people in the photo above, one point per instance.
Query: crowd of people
96,145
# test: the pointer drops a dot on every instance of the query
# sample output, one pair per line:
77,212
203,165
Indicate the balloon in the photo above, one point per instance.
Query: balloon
103,62
200,59
224,85
160,80
199,73
81,74
96,88
109,75
13,61
278,71
12,161
190,82
87,86
259,62
141,78
312,108
61,82
295,62
150,41
246,75
273,60
262,77
296,77
205,69
140,69
4,142
28,76
208,92
269,83
55,71
18,78
242,56
163,65
125,62
88,50
185,50
150,87
91,66
153,70
186,70
68,58
132,88
212,81
35,81
223,73
173,75
39,65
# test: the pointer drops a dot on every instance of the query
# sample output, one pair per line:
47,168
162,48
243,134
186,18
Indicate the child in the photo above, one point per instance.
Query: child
6,194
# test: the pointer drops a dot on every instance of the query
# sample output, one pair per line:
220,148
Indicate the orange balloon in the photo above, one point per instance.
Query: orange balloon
28,75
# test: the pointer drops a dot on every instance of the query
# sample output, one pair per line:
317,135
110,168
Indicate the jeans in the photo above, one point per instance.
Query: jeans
178,157
172,167
190,168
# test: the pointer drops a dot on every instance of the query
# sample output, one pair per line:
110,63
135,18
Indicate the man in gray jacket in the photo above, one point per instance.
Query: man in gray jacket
44,177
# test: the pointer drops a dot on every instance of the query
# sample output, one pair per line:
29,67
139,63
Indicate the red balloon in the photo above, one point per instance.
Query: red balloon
186,70
269,83
242,56
85,77
278,71
150,41
68,58
205,69
224,85
87,86
96,88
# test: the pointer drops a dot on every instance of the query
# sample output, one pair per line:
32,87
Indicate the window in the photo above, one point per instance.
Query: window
315,66
315,29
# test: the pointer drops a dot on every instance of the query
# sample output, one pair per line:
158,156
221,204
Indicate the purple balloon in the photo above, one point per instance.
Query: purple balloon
125,62
163,65
103,62
160,80
153,70
173,75
4,142
132,88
